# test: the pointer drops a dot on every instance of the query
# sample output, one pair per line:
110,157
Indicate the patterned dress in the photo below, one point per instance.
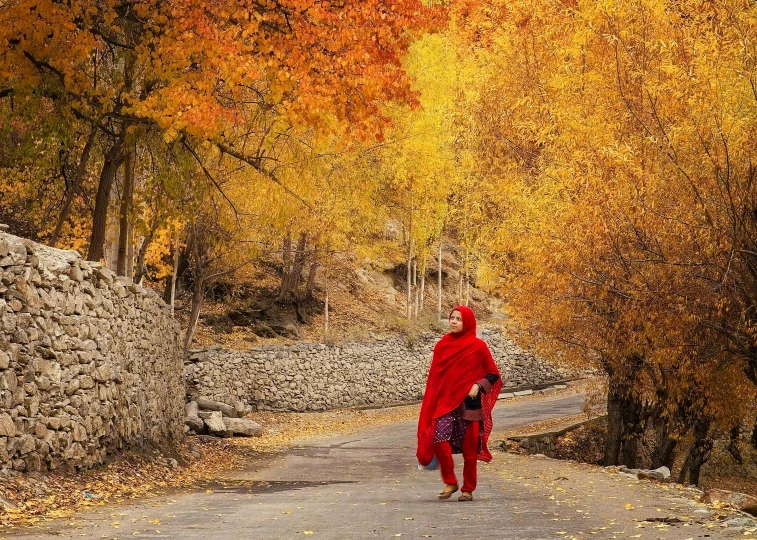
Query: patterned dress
451,426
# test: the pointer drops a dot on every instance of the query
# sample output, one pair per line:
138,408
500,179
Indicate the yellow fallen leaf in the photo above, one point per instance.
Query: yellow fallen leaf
154,521
629,506
307,532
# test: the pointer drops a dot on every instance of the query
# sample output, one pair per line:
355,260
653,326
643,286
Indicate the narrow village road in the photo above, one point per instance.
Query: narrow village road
367,485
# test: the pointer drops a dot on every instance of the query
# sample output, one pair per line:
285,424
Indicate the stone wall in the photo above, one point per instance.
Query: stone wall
89,363
319,377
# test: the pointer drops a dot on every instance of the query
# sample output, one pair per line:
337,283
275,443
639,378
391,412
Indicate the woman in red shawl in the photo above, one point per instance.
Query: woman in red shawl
462,388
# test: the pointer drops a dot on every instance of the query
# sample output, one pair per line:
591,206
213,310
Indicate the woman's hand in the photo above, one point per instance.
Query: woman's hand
473,391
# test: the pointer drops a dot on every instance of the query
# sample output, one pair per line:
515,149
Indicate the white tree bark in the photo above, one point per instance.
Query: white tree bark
175,272
439,284
326,315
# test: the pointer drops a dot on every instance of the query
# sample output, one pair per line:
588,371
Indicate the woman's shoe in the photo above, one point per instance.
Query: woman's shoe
465,496
448,491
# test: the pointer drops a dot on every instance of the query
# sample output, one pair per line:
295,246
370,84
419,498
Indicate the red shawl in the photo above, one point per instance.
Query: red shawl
459,361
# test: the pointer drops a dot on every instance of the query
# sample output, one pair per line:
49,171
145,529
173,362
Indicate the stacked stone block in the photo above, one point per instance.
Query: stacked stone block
313,377
89,362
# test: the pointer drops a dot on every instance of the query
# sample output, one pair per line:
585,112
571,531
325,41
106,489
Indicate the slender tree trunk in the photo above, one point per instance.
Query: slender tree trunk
100,213
409,280
139,271
467,286
198,291
286,267
123,226
299,262
183,265
423,286
175,274
311,277
81,170
326,314
460,289
439,284
198,295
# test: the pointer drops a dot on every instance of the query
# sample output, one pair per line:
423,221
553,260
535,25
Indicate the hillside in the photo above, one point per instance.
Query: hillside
365,296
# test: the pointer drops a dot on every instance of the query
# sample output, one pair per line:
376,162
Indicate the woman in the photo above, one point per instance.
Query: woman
462,388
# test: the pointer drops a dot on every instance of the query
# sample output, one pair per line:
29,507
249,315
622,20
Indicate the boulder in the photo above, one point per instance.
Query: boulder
216,425
191,409
243,427
740,501
210,405
195,423
661,474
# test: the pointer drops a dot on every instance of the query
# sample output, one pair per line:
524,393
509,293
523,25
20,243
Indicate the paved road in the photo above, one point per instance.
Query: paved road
367,485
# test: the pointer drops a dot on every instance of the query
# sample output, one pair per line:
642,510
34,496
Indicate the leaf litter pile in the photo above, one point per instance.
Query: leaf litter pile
28,499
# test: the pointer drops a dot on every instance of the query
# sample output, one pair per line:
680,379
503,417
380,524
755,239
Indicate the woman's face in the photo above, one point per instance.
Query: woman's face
456,322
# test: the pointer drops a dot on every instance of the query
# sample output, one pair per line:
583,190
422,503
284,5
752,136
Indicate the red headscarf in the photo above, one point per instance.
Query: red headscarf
460,360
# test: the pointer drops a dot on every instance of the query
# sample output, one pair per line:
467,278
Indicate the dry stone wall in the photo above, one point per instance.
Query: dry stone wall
89,362
318,377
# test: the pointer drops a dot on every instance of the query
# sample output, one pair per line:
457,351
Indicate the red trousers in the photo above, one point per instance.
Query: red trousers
443,452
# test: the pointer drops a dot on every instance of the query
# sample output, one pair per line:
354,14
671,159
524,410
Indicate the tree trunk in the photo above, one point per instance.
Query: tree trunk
614,423
700,450
439,284
460,289
175,273
665,454
467,286
299,262
733,444
198,295
198,291
423,286
753,439
409,280
100,214
632,430
123,226
286,267
172,282
665,446
140,266
81,170
311,277
326,314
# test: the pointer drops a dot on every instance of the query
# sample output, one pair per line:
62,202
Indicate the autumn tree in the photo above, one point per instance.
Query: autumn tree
621,246
194,72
